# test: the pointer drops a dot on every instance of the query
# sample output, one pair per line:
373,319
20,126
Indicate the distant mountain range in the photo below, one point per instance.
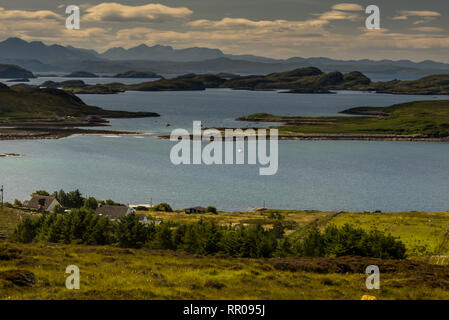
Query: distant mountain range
162,53
15,48
39,57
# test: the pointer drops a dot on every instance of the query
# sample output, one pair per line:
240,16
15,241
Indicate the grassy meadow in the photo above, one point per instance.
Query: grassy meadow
108,272
430,118
293,219
421,232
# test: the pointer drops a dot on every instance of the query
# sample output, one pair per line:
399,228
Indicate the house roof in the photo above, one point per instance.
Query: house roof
40,202
196,208
112,212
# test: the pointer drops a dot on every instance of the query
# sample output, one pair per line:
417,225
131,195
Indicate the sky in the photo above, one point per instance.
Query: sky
416,30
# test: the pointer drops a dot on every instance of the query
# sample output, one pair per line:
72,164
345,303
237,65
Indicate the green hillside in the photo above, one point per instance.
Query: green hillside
305,80
435,84
50,104
429,118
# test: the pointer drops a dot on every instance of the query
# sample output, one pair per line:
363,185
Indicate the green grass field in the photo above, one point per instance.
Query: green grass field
113,273
8,220
420,232
414,118
293,219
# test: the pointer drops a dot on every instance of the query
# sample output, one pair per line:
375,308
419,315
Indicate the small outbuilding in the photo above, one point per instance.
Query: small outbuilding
195,210
143,218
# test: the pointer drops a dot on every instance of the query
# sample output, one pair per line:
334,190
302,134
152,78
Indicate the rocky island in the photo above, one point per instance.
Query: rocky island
138,74
303,80
80,87
69,84
81,74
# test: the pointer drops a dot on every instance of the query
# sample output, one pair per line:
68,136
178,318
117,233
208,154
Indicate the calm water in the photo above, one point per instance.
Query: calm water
323,175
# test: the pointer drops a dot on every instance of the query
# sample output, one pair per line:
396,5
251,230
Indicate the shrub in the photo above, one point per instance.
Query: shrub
58,209
278,229
164,207
90,203
83,226
77,226
70,200
130,233
336,242
211,209
25,231
40,193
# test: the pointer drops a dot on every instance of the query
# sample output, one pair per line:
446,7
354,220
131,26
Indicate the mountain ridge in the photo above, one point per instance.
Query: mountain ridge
39,57
159,52
16,48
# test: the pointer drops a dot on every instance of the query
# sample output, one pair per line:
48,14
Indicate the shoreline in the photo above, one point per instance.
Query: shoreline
336,137
54,134
8,155
57,130
59,133
400,122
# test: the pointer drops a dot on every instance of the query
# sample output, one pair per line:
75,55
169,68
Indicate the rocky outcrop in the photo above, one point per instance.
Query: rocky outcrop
137,74
21,278
64,84
81,74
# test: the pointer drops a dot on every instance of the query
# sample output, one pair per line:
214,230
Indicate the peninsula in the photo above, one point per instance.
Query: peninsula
8,71
412,121
33,113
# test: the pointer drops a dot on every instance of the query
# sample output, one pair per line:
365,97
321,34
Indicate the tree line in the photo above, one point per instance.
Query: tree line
83,226
75,200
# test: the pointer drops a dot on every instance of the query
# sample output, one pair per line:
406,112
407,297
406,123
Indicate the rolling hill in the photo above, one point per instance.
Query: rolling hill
8,71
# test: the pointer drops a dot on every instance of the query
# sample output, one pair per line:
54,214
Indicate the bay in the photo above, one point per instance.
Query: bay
319,175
